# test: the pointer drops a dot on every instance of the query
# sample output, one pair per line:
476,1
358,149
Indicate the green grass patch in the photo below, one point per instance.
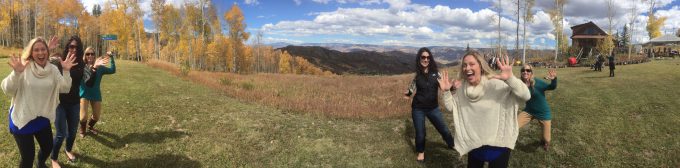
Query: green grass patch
151,118
247,86
225,81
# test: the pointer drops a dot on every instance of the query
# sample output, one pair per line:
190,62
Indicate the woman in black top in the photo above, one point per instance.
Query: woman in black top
425,103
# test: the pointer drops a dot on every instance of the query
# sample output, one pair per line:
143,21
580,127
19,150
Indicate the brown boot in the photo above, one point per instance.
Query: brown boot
91,126
81,131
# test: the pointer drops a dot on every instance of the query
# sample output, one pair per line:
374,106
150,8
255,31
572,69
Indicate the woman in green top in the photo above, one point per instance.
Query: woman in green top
537,107
90,92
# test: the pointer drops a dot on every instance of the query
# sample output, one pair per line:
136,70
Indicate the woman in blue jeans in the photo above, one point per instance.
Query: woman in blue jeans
425,102
34,86
68,110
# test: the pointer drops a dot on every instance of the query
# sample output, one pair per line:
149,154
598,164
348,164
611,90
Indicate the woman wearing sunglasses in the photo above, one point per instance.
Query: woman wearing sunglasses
537,107
484,107
90,91
425,102
68,110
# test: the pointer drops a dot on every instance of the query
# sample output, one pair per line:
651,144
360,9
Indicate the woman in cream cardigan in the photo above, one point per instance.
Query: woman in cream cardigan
34,86
484,107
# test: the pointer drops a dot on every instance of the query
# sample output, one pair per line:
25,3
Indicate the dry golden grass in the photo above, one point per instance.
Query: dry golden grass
5,52
345,96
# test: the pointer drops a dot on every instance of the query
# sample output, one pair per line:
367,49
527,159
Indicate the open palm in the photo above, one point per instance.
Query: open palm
505,66
552,74
17,64
102,61
69,62
445,83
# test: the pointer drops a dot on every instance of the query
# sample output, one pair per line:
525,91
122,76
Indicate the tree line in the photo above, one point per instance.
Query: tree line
192,35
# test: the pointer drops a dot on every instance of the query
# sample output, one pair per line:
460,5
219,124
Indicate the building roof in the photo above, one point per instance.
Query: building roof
587,30
587,36
665,38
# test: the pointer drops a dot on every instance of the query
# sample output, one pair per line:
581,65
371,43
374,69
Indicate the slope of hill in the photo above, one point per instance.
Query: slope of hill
152,118
355,62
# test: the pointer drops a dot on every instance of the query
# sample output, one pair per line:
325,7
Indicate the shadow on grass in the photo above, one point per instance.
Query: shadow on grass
162,160
116,142
596,76
529,147
437,154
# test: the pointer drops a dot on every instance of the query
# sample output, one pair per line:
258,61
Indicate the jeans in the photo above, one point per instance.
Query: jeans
436,118
66,124
499,162
27,147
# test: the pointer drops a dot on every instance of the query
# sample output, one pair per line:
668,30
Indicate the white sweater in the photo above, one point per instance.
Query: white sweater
486,114
35,92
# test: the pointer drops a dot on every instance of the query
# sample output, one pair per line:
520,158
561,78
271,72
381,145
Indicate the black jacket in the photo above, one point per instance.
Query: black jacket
427,90
73,96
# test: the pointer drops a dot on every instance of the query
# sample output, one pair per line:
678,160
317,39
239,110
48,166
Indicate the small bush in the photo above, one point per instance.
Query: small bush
225,81
247,86
185,68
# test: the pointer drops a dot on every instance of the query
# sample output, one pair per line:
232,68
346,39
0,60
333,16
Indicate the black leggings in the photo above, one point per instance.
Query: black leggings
27,147
500,162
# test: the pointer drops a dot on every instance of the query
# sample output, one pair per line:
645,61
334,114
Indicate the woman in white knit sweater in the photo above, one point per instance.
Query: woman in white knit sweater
484,107
34,86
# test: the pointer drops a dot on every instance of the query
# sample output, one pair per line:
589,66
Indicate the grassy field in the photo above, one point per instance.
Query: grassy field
151,118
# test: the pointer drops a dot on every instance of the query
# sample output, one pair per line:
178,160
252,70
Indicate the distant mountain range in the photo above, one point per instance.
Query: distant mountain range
444,54
357,61
342,58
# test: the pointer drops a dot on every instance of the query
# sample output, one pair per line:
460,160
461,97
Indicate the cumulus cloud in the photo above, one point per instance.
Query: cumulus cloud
412,24
251,2
361,2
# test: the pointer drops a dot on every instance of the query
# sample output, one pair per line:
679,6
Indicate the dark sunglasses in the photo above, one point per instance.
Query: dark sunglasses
89,54
525,70
72,46
424,57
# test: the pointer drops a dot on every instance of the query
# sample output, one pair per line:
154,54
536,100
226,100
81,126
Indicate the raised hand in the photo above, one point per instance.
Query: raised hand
456,84
69,62
552,74
101,61
505,65
53,43
444,83
17,64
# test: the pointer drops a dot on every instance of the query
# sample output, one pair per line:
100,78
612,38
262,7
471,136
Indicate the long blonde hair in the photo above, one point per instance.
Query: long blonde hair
485,68
28,50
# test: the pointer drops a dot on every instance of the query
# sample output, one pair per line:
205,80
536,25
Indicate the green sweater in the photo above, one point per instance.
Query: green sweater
537,106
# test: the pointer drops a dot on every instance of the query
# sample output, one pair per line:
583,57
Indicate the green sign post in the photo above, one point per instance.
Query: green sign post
109,37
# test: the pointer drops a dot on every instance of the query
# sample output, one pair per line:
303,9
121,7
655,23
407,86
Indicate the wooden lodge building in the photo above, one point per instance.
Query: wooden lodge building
585,37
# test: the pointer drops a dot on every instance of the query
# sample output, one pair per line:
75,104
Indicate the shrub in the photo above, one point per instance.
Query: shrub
247,86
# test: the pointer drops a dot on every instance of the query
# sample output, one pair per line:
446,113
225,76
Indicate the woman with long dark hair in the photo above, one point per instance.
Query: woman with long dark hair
425,103
68,110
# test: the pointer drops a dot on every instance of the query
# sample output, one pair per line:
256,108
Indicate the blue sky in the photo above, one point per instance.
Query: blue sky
423,23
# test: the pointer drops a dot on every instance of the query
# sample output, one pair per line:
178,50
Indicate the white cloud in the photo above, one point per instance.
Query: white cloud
269,40
251,2
360,2
413,24
321,1
297,2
